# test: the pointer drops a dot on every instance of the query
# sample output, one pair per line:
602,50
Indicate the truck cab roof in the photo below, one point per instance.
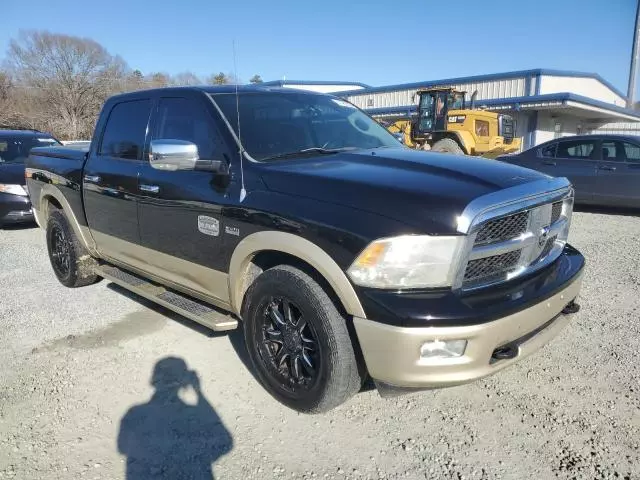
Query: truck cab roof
210,89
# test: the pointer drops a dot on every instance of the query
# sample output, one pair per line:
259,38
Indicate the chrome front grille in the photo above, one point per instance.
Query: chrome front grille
547,247
556,211
503,228
490,267
515,243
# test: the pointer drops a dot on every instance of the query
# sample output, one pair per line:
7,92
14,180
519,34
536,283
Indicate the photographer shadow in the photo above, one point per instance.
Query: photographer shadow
168,438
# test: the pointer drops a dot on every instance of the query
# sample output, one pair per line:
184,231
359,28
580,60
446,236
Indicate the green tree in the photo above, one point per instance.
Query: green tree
219,79
256,79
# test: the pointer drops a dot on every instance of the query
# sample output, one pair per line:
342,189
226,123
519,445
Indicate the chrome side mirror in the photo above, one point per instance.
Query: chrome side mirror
170,154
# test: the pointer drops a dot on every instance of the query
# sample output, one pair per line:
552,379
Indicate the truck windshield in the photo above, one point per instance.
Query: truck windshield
279,125
15,149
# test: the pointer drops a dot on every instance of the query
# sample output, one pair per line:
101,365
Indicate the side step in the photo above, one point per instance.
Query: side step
186,306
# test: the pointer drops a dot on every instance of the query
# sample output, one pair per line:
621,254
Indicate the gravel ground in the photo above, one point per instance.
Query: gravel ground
75,362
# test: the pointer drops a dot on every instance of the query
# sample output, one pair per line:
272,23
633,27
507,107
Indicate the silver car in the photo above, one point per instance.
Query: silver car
604,169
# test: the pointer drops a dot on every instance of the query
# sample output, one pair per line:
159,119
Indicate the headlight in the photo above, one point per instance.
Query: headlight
411,261
13,189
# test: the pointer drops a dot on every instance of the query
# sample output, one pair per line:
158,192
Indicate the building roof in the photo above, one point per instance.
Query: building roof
481,78
282,83
534,101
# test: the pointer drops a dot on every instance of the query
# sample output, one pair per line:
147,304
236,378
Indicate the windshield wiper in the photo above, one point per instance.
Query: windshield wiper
308,151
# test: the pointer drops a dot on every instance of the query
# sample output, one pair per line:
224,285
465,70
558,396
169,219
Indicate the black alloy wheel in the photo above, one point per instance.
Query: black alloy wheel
290,345
60,251
70,260
298,342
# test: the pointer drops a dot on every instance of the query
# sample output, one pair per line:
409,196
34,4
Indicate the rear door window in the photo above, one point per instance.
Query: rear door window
611,151
577,149
549,151
126,130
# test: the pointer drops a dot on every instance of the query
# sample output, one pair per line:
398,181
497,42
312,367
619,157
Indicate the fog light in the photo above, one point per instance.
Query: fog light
437,349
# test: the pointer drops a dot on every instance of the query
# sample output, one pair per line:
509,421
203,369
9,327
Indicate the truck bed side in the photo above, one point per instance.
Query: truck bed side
54,175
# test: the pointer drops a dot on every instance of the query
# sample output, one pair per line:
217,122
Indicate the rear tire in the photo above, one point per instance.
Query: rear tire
447,145
298,342
71,262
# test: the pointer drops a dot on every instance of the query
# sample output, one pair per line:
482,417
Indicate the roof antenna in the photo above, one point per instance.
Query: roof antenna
243,191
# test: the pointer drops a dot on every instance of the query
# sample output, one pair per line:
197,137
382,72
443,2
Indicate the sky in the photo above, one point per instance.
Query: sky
374,42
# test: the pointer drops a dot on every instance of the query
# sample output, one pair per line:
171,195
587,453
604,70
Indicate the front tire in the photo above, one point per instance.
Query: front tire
298,342
71,262
447,145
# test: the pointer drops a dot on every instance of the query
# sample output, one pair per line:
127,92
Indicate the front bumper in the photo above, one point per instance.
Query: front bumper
392,353
15,209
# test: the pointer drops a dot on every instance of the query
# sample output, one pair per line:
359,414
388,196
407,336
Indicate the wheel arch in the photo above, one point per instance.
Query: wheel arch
50,196
265,248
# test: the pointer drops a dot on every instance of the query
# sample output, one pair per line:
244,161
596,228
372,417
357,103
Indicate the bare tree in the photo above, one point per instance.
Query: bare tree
58,83
5,86
70,76
158,79
186,78
18,105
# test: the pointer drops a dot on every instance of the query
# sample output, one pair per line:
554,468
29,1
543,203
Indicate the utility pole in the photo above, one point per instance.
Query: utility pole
635,52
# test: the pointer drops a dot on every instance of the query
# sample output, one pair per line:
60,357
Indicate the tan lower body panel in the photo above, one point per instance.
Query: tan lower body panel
192,277
392,354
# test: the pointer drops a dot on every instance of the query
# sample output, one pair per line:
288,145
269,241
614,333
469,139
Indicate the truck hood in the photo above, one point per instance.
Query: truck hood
425,190
12,173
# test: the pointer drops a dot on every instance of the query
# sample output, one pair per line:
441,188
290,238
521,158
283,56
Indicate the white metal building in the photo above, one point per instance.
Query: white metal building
317,86
545,103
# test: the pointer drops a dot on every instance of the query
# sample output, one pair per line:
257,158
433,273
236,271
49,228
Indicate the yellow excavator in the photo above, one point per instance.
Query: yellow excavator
445,124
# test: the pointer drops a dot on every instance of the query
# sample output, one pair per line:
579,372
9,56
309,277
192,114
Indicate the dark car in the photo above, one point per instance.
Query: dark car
604,169
15,145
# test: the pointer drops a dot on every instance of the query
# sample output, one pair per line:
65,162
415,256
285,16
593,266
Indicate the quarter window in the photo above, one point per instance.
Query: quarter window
183,119
620,151
126,130
576,149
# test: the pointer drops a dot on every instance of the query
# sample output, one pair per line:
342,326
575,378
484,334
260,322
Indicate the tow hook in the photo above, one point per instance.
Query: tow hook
572,307
506,352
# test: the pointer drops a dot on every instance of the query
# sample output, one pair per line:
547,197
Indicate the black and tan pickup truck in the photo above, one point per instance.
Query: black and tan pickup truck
343,254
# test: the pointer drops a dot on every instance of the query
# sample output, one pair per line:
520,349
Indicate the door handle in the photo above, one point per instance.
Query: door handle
607,167
549,162
149,188
92,178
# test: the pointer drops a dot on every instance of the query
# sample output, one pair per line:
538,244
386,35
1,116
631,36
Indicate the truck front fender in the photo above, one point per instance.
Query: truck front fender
298,247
